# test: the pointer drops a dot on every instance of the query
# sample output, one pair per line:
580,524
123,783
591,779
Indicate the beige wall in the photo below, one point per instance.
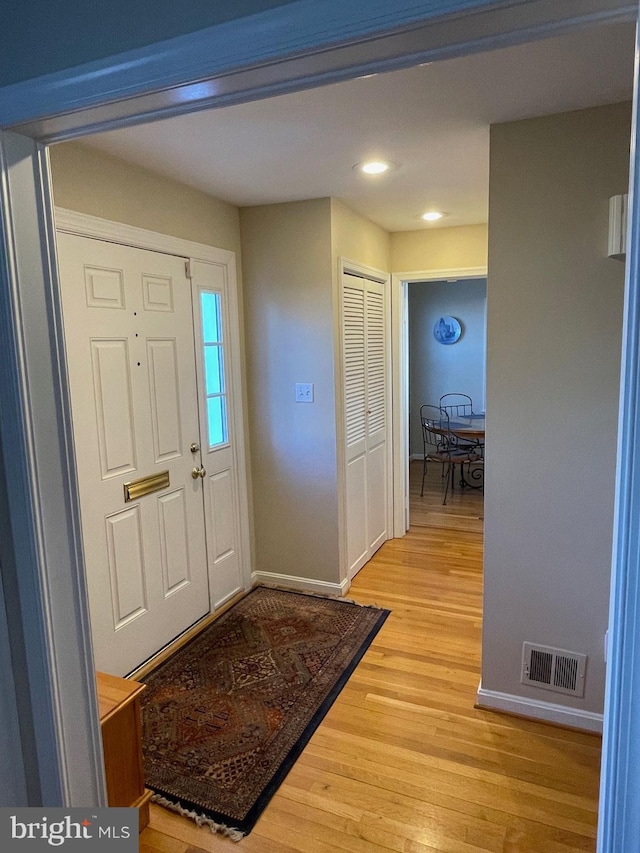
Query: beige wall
358,239
553,365
90,181
289,338
289,275
439,248
290,258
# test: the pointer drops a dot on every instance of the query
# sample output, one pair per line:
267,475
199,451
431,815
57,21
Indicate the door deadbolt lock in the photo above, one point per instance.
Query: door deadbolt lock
195,447
198,472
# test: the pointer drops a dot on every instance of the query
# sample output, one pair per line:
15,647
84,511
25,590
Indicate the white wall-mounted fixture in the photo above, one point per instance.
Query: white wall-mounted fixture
617,227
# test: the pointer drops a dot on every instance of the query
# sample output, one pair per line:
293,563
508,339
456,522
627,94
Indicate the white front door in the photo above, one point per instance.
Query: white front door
365,321
130,348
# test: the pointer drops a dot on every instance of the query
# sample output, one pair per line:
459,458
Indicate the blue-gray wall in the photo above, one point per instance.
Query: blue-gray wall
13,780
43,36
434,368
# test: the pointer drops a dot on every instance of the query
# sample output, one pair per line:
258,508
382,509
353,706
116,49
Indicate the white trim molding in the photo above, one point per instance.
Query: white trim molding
355,268
400,378
548,712
285,49
618,824
456,273
60,728
318,587
84,225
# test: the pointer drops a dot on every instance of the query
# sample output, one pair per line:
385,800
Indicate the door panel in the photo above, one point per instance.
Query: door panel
126,566
354,364
376,385
129,339
357,550
376,497
113,406
174,541
376,392
221,498
166,420
365,359
218,457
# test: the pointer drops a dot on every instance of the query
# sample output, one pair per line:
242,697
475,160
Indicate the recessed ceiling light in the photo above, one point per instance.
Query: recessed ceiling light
432,215
373,167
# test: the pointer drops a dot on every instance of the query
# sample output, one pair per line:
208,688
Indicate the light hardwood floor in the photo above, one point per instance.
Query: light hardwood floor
403,761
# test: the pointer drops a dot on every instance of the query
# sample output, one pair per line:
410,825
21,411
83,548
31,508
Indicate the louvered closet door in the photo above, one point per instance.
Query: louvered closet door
366,417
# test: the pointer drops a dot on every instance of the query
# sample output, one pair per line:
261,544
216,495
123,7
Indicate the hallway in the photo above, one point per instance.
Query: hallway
403,761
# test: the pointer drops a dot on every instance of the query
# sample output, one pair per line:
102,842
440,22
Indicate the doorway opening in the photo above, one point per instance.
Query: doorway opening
52,321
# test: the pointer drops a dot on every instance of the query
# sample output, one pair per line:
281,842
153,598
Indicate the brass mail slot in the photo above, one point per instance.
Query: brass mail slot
139,488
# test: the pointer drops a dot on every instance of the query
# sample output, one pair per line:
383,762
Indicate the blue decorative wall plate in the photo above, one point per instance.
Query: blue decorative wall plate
447,330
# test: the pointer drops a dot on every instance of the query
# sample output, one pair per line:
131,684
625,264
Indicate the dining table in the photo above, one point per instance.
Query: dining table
468,426
471,429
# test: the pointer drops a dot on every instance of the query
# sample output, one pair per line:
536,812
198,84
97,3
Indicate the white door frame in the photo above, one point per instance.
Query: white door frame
84,225
288,48
400,362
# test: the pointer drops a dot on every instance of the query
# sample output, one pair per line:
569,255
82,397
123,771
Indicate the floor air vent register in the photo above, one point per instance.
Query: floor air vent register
553,669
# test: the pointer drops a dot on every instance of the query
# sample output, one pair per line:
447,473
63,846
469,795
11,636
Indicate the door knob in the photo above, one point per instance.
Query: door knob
198,472
195,447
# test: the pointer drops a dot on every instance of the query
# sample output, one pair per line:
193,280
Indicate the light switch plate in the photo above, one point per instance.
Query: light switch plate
304,392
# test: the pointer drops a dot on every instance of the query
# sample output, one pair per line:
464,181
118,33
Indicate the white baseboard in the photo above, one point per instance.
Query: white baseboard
415,457
535,709
332,590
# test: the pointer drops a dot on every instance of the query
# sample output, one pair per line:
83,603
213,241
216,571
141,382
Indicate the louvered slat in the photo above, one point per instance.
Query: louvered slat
375,344
354,364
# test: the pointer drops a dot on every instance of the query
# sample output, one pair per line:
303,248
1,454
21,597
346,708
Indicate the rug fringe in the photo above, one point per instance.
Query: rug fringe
200,819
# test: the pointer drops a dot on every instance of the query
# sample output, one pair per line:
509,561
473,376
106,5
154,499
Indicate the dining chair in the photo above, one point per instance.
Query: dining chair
457,404
460,405
440,446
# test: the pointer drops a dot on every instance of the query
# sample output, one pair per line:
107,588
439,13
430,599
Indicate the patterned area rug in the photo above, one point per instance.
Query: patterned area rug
224,719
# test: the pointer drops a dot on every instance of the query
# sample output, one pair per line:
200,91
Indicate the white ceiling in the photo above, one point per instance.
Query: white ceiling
432,121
